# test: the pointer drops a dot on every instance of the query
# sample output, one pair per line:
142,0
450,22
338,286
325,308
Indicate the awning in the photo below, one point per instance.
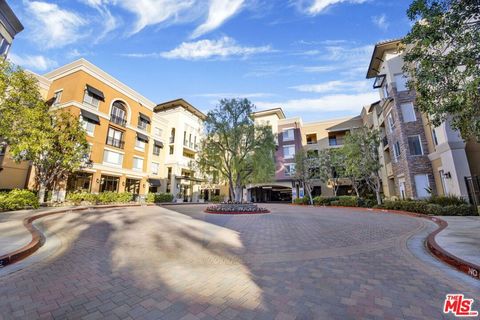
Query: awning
142,137
158,143
144,118
90,117
154,182
95,92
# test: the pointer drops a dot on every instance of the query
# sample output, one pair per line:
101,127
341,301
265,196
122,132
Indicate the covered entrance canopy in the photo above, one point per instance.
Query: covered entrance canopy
276,192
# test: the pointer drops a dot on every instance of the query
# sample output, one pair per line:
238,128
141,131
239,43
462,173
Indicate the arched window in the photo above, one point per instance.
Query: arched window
119,113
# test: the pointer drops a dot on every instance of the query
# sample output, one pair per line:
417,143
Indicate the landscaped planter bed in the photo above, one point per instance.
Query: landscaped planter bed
236,208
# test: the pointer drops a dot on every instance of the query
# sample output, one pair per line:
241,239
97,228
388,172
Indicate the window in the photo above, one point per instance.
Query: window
311,138
288,135
289,152
332,140
415,145
156,149
137,164
91,99
155,167
109,184
408,112
422,185
115,138
132,186
171,151
434,137
401,82
396,151
172,135
143,121
112,158
88,126
140,144
4,46
57,96
79,181
119,113
157,132
391,123
289,169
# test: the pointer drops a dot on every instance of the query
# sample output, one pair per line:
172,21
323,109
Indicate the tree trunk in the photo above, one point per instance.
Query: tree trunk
377,190
41,192
238,194
309,192
231,194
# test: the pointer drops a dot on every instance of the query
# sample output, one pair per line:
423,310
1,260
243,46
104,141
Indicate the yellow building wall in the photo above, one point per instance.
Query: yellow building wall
436,165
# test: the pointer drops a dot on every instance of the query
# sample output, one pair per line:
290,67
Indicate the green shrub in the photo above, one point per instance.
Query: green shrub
366,203
163,197
215,199
324,201
425,207
450,200
78,197
304,201
17,200
346,201
150,198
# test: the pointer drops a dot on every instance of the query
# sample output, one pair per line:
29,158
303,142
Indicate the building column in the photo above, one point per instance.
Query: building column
96,185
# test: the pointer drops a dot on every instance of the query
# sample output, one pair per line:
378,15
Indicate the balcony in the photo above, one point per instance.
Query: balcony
115,143
118,120
335,142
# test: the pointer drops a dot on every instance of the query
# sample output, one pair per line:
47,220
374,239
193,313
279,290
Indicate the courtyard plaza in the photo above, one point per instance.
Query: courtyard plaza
178,262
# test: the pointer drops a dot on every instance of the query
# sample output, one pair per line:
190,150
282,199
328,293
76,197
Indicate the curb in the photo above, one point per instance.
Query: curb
461,265
38,239
236,212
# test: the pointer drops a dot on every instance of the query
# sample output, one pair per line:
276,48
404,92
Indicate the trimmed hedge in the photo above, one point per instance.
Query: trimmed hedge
425,207
101,198
215,199
450,200
17,200
303,200
159,197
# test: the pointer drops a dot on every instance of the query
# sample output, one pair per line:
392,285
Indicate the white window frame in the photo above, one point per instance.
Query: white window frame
288,147
419,141
86,125
286,134
391,122
157,165
90,99
401,85
412,116
134,168
140,145
396,153
57,95
111,163
291,169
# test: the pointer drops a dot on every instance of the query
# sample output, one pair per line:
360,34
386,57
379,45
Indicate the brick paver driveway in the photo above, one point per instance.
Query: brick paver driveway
295,263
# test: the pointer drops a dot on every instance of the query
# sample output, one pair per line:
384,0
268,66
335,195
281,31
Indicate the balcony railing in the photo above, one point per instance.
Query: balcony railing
172,139
115,143
118,120
142,126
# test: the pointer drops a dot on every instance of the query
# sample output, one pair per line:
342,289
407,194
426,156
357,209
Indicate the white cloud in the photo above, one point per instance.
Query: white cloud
318,6
206,49
152,12
334,86
54,27
219,11
39,63
352,103
108,21
381,21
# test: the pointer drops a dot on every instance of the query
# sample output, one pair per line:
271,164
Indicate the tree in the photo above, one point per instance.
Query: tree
235,148
362,159
53,142
442,60
307,171
331,167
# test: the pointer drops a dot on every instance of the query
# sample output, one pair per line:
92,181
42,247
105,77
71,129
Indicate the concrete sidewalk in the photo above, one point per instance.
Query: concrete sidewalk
461,238
13,234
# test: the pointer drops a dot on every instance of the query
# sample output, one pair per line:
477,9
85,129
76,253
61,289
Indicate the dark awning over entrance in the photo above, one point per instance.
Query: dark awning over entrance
95,92
154,182
142,137
91,117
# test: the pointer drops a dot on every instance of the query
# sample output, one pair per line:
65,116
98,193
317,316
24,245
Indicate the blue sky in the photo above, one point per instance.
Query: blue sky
309,57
